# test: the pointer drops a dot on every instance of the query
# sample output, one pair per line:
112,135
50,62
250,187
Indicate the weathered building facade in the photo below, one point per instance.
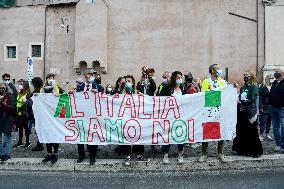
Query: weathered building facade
118,37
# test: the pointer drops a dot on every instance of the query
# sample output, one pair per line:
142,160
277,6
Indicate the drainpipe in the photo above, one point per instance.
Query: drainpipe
44,43
257,33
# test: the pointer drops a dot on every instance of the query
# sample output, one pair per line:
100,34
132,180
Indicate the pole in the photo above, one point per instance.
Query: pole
67,58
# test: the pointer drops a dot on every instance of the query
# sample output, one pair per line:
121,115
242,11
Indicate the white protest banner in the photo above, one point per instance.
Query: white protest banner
96,118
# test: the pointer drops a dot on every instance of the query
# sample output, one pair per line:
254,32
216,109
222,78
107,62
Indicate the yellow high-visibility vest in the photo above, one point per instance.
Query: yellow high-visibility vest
207,84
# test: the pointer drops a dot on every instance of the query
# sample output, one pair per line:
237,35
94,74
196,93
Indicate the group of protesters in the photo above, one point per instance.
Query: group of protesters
259,107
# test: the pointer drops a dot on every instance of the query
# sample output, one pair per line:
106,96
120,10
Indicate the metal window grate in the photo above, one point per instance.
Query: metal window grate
7,3
36,50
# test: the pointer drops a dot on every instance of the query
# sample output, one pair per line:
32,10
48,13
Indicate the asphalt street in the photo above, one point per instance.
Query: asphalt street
260,179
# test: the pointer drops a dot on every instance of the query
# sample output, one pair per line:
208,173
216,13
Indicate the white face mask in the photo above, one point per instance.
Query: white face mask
109,89
32,88
219,73
51,82
8,82
21,87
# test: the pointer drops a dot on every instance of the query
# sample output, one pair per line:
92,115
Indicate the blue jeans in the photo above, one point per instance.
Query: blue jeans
5,144
277,116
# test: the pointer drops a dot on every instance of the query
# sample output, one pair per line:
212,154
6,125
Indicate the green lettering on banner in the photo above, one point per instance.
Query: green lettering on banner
179,138
117,128
63,107
212,98
80,124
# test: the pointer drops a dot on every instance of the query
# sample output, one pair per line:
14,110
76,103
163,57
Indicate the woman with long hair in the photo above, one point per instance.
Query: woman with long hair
176,89
247,140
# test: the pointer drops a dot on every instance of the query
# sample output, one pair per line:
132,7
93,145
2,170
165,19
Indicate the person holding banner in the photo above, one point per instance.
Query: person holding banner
22,120
128,149
51,87
175,89
92,86
214,82
7,112
247,141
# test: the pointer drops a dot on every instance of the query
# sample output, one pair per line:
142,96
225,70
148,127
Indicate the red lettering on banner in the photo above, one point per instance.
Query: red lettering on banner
170,104
72,100
142,115
95,129
108,104
190,125
127,103
156,107
98,104
86,94
134,125
159,130
71,126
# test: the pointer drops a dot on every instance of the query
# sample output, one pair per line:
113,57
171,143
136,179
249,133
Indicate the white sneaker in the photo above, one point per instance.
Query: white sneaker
277,149
269,138
261,138
202,159
127,161
196,145
166,159
222,158
180,158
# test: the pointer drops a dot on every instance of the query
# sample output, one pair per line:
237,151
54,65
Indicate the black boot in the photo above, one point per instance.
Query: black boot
80,159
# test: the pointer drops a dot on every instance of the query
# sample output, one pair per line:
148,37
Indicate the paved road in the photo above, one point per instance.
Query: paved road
259,179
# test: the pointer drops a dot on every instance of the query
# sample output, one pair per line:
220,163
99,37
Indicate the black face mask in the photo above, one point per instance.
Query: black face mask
246,79
277,75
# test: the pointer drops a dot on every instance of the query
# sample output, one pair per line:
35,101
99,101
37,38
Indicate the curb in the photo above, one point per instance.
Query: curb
116,165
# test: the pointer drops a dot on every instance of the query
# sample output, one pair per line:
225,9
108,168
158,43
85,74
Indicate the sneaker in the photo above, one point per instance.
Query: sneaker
37,148
54,159
46,159
27,145
186,145
282,151
203,158
268,137
222,158
196,145
127,161
277,149
19,144
5,158
141,159
180,158
166,159
261,138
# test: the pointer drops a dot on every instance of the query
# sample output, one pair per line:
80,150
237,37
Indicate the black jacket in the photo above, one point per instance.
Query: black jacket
276,98
164,90
7,112
80,88
150,89
263,98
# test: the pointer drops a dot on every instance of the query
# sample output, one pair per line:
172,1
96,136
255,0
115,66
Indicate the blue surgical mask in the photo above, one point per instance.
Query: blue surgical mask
128,85
219,73
179,81
165,81
91,79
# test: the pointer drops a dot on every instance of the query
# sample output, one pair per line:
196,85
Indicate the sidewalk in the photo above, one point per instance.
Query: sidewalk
108,160
154,165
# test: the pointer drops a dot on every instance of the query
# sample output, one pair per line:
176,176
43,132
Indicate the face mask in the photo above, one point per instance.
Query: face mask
32,88
128,85
109,89
165,81
7,82
21,87
51,82
2,92
246,78
91,79
219,73
277,75
179,81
